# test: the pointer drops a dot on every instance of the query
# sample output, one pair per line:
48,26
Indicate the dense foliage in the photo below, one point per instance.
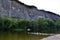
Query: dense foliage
42,25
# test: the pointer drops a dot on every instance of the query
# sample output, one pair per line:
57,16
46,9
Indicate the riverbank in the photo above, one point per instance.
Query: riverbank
46,34
55,37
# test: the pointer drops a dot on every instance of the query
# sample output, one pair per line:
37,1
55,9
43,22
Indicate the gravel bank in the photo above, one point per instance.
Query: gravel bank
55,37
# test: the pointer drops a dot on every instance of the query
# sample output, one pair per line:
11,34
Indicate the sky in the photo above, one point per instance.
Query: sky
48,5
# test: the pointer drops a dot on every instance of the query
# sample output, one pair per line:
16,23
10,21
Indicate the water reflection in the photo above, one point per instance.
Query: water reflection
19,36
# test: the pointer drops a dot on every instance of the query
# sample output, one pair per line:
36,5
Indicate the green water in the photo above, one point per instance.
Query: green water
19,36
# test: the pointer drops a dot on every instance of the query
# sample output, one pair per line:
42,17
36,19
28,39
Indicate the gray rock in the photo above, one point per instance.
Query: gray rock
14,8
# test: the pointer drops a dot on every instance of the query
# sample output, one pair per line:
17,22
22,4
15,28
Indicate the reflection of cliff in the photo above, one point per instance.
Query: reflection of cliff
22,11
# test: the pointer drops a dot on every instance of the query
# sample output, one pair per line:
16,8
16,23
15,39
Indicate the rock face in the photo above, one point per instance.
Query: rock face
14,8
55,37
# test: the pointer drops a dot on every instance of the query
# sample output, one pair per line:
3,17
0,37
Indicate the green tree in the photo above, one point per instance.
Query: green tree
43,25
57,25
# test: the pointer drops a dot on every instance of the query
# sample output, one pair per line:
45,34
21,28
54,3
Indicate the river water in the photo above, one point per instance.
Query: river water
19,36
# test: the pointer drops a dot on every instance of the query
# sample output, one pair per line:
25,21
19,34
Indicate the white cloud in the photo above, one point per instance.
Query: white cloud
49,5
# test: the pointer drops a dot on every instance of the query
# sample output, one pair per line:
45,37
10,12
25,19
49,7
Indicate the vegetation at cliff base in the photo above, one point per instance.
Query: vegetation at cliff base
42,25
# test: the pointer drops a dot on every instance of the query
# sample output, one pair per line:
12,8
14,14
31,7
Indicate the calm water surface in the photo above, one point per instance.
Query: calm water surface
19,36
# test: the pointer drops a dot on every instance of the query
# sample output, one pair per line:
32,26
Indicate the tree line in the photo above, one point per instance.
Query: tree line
41,25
